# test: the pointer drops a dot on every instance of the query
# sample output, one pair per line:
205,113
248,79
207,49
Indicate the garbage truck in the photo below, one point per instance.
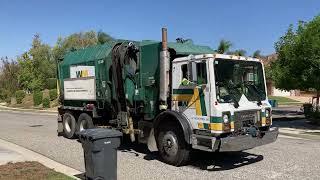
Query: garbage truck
172,96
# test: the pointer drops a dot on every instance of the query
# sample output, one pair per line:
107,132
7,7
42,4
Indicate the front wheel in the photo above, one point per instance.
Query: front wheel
171,145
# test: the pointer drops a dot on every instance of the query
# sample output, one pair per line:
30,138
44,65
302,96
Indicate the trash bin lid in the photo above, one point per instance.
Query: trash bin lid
99,133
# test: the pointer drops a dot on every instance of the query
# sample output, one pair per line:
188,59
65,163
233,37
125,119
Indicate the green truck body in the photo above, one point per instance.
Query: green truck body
146,80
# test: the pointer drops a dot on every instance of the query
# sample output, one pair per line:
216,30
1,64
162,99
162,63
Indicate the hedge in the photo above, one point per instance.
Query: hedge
19,96
46,103
53,94
37,98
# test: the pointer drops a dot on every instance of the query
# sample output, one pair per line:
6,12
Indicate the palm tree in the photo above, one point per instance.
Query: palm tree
224,46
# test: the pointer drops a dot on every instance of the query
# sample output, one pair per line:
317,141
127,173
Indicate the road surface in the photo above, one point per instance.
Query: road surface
287,158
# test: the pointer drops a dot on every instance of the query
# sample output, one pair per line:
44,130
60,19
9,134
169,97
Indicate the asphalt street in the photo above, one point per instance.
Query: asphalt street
287,158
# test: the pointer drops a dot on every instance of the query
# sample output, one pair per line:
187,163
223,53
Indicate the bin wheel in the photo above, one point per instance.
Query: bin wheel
84,122
171,144
69,125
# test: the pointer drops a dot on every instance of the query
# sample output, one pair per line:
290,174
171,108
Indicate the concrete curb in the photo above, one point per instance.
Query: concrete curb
32,111
41,159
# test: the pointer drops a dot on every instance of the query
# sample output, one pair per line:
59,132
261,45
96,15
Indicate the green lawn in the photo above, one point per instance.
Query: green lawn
283,100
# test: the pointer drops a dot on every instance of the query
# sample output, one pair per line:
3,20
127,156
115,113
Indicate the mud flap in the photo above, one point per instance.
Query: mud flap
60,126
152,144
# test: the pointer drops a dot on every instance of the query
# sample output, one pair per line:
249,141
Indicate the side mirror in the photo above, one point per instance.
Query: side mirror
192,71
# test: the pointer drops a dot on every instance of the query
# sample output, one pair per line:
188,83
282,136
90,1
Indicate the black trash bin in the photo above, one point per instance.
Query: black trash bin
100,152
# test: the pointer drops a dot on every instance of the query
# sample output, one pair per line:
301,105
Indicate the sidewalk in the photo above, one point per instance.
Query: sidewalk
7,155
10,152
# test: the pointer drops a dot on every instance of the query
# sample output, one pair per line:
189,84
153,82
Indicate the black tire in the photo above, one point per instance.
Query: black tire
69,125
172,146
84,122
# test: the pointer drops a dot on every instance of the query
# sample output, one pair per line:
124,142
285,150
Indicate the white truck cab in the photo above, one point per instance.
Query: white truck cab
224,99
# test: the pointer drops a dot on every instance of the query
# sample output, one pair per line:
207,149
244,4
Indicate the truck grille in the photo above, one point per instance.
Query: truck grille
245,118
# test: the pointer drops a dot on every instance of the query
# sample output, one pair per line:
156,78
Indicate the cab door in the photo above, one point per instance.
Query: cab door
191,92
201,90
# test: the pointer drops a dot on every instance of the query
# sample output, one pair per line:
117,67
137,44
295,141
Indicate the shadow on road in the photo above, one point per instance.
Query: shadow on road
137,150
287,114
81,176
291,117
223,161
199,159
302,124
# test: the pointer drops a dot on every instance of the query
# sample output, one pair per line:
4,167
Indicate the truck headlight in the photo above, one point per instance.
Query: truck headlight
225,118
268,113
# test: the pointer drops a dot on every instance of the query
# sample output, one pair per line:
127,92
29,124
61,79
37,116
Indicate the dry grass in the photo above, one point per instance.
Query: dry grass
27,102
29,170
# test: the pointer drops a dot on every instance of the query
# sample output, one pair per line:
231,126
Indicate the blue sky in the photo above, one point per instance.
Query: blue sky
248,24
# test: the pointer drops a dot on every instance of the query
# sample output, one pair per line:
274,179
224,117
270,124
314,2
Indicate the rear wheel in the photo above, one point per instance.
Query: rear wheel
84,122
171,145
69,125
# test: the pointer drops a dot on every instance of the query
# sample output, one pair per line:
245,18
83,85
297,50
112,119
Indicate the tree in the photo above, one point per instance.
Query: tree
36,66
224,46
239,52
8,77
73,42
298,64
257,54
103,37
77,41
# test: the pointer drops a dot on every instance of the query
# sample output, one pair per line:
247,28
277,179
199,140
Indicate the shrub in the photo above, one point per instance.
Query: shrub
4,94
53,94
46,103
19,96
8,100
52,83
37,98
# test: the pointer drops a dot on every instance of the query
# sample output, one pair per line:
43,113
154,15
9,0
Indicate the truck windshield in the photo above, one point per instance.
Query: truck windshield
235,78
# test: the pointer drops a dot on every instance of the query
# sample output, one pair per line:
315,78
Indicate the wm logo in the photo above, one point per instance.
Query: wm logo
82,73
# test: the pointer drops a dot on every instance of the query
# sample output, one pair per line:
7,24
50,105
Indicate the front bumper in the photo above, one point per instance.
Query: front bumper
244,142
233,143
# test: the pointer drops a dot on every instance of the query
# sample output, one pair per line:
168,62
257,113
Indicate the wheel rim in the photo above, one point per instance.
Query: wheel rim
83,126
67,124
170,145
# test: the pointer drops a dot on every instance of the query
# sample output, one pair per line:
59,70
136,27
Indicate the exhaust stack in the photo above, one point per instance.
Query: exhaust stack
164,71
164,39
